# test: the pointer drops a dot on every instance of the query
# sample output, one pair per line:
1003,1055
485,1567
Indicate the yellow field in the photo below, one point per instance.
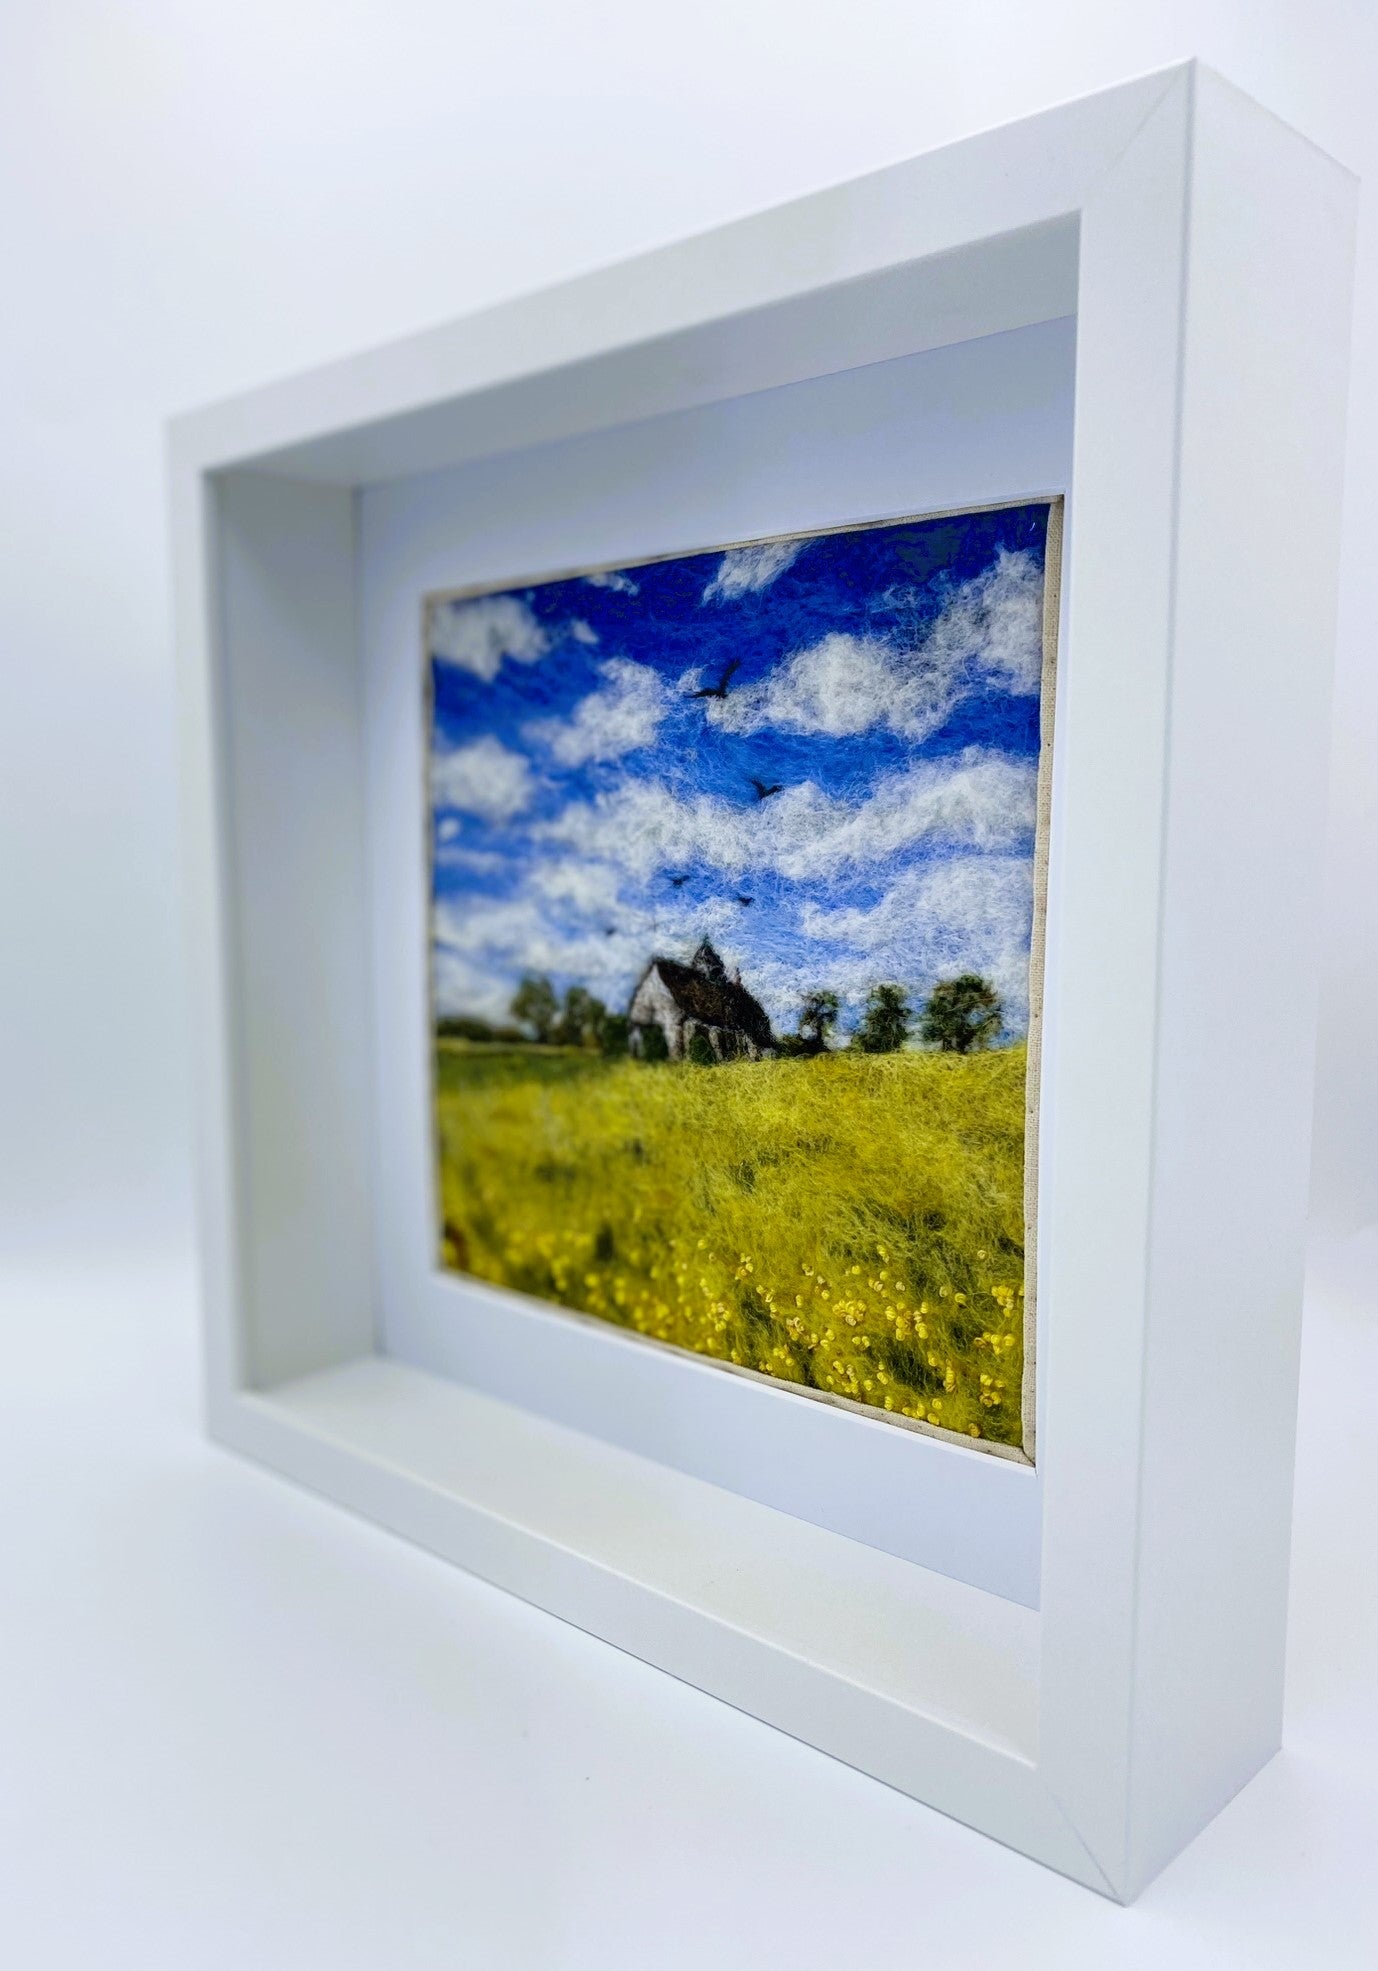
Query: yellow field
853,1223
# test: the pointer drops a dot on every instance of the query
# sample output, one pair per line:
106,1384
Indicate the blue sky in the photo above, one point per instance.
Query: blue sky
589,812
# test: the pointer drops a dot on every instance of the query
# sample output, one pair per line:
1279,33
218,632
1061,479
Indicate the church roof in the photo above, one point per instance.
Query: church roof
717,1002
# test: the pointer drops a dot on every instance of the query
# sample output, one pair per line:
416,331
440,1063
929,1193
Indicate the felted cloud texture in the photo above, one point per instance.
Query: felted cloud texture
589,808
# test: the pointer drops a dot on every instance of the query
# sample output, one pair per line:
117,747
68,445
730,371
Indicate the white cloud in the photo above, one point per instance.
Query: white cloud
841,686
745,569
590,887
483,944
967,913
573,918
613,578
964,914
482,862
478,634
976,800
583,632
588,920
482,778
990,629
462,984
624,715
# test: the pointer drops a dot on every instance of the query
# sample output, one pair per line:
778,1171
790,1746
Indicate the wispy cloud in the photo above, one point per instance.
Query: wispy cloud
465,983
592,888
613,578
451,855
978,800
489,942
990,630
586,919
963,914
745,569
624,715
478,634
482,778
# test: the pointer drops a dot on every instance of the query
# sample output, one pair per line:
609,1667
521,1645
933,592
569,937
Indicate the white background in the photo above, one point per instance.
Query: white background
239,1729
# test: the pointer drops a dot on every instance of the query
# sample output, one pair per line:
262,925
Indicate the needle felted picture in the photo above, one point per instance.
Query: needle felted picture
736,949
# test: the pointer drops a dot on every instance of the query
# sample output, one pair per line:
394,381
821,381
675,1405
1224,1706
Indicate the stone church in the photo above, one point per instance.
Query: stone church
698,998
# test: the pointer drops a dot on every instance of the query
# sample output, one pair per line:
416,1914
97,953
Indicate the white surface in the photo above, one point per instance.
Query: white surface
241,1728
1212,294
984,421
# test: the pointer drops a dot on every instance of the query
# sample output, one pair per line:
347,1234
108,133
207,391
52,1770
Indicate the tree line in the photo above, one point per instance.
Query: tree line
963,1015
960,1016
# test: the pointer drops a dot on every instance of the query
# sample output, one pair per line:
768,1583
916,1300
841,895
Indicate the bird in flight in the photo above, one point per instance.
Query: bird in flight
745,902
763,793
678,882
719,690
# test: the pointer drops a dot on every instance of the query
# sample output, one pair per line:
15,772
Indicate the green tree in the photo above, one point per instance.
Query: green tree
581,1019
700,1049
535,1006
963,1015
885,1024
817,1018
614,1036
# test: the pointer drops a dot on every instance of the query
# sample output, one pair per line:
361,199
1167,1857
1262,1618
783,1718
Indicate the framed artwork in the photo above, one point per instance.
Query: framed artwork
738,871
635,1053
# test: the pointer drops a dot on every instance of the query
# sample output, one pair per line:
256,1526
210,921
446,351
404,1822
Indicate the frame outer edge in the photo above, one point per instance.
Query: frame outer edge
1162,1694
1112,714
1265,362
821,240
207,929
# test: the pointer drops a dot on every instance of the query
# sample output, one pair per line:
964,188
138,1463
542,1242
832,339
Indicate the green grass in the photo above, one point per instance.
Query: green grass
851,1223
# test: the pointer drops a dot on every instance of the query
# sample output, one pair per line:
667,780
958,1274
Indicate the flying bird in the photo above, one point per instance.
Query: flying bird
745,902
719,690
678,882
763,793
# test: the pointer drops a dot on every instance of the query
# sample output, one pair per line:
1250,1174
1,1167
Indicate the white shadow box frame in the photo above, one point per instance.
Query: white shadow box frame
1204,250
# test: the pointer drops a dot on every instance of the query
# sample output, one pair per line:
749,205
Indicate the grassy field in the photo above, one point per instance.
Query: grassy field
852,1223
